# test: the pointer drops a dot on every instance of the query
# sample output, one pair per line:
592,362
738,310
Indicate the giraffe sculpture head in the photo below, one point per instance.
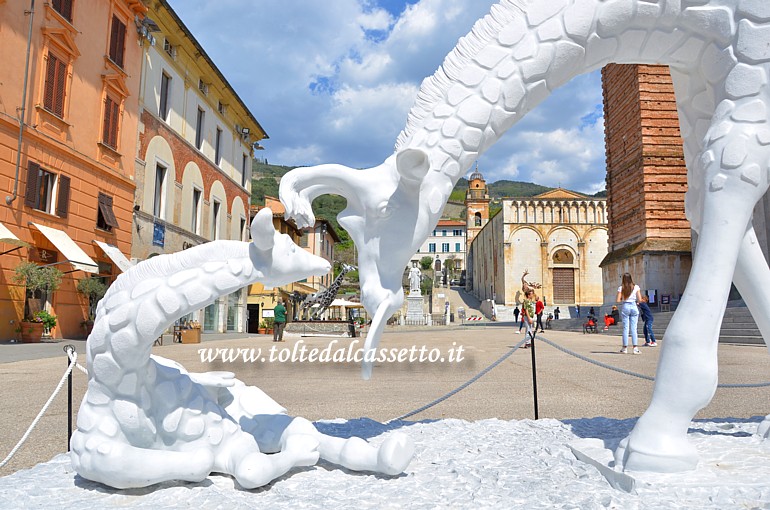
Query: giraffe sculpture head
389,212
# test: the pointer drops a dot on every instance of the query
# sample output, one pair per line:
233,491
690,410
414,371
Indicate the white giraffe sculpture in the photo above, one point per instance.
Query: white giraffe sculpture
719,54
145,420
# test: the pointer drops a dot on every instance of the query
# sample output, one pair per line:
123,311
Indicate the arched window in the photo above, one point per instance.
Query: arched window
477,217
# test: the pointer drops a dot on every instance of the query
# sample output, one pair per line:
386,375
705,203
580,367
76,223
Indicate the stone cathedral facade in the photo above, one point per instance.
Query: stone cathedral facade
560,237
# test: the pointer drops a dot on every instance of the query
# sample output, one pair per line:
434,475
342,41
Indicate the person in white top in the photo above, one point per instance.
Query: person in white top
629,295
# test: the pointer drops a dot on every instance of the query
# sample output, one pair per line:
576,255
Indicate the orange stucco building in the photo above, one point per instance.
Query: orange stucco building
68,139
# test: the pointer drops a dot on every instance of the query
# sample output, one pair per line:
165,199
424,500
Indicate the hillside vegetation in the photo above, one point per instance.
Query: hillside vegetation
265,179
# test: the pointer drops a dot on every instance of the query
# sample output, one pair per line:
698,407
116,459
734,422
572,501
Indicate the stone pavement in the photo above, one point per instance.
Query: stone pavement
567,386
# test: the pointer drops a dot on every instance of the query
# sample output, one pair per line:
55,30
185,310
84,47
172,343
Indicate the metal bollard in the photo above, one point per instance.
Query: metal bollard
69,349
534,374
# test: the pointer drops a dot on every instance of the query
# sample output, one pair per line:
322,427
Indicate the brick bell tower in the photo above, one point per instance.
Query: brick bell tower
649,235
476,206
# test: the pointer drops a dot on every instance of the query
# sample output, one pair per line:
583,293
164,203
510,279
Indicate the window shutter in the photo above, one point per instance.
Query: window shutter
121,42
61,81
114,39
110,127
55,84
117,40
63,7
33,184
106,124
63,199
105,206
114,125
50,83
66,9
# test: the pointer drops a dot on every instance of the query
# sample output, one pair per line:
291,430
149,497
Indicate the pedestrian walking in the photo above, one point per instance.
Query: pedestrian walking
539,308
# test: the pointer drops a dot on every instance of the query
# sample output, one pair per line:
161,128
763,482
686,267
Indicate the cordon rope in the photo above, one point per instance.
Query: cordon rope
73,356
560,348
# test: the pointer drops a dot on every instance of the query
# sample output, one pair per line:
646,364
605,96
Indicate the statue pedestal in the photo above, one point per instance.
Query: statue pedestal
414,307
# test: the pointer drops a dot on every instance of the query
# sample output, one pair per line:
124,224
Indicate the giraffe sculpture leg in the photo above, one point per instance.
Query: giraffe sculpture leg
273,429
752,278
729,174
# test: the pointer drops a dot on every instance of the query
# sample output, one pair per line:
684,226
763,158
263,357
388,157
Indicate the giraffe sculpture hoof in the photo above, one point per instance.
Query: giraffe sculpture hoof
663,457
395,454
764,428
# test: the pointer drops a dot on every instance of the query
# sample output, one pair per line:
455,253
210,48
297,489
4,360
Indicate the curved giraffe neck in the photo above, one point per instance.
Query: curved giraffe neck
523,50
148,299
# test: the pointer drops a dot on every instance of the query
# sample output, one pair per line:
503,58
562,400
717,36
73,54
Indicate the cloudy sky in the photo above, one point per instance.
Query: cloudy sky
332,82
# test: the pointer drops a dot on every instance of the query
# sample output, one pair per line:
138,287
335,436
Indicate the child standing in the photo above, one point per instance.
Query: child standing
649,336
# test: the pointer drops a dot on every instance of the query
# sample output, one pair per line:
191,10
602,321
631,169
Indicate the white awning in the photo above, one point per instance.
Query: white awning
346,304
67,247
115,255
8,237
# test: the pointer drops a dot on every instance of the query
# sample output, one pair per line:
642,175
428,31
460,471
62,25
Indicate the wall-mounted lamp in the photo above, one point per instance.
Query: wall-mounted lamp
136,222
245,131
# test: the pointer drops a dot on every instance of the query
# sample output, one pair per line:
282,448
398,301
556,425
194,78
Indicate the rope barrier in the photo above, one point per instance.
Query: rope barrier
566,351
73,356
464,385
634,374
597,363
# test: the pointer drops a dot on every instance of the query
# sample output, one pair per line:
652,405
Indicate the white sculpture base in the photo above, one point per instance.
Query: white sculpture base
415,307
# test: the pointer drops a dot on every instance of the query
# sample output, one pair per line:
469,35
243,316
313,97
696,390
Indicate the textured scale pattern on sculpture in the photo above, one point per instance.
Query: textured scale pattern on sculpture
719,54
145,420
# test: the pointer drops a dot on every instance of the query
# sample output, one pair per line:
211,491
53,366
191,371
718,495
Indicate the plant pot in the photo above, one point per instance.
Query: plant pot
261,331
31,332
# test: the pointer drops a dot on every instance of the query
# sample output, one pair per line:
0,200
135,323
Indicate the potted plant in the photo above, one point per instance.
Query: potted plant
33,328
266,326
39,282
93,289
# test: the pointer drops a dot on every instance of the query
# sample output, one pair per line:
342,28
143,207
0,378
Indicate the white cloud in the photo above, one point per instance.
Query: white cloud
332,82
377,19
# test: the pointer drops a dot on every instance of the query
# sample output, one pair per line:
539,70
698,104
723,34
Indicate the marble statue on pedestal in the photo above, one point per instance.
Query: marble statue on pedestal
415,277
145,420
719,55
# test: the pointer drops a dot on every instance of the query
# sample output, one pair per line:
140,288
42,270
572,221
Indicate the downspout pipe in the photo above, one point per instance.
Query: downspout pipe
22,110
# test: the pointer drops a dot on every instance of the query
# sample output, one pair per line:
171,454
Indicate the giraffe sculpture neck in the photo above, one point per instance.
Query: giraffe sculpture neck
519,53
158,292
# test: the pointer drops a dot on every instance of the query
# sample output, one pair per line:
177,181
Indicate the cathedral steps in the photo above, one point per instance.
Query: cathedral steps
737,326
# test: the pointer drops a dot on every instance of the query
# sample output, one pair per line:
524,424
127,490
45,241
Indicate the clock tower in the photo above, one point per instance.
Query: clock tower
476,205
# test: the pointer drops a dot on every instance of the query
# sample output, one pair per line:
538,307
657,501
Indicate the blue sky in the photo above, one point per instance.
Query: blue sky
332,82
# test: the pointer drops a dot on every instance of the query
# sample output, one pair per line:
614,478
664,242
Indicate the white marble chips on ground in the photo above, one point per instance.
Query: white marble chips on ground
458,464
